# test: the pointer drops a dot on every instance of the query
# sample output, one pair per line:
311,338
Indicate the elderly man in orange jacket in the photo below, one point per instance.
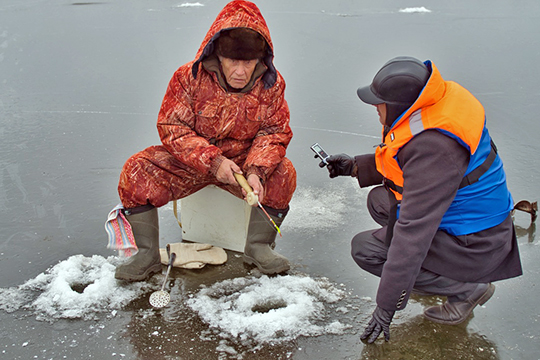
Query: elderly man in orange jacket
223,113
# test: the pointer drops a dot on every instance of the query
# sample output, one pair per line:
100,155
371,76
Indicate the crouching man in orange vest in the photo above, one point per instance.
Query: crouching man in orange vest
442,199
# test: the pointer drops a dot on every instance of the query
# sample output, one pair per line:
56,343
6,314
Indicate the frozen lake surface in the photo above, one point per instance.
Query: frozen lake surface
80,87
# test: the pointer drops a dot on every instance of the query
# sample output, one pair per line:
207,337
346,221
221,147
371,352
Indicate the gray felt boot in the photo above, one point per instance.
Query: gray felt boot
261,242
147,261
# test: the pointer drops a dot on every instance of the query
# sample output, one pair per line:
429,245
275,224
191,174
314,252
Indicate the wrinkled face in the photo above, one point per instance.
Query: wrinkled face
237,72
381,110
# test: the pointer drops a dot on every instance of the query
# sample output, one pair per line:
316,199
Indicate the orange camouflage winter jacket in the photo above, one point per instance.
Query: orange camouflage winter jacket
201,123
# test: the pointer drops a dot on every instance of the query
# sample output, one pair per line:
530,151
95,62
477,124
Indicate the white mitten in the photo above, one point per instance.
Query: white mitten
194,255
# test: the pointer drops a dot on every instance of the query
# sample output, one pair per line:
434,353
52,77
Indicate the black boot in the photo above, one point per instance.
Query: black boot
147,261
453,313
261,242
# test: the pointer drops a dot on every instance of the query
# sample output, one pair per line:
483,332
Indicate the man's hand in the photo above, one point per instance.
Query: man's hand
255,183
340,165
225,172
380,322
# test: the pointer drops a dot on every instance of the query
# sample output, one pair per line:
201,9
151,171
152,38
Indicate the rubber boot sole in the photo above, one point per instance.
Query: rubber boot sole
148,273
251,261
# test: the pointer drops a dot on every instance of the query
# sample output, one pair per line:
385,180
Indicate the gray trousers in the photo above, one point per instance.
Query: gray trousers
370,254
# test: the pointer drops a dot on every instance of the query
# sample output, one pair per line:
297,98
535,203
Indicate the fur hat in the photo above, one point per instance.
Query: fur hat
241,44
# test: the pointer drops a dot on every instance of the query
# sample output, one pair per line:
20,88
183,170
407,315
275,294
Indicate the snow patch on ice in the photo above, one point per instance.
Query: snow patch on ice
314,209
270,310
191,4
415,10
77,288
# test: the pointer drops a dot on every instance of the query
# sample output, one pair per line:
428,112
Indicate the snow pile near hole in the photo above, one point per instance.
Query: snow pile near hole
270,310
415,10
76,288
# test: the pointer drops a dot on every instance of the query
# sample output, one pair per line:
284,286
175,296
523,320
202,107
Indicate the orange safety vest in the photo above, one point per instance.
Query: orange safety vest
442,105
482,200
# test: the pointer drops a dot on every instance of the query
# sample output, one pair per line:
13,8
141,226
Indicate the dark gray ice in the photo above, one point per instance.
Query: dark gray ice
80,87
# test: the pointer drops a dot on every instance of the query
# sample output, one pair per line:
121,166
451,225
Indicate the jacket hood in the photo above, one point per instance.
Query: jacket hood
432,92
239,14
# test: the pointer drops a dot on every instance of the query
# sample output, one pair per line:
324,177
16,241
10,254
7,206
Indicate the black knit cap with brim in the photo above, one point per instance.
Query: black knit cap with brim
241,44
398,82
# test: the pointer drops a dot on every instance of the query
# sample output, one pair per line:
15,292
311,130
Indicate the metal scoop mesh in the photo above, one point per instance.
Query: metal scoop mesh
160,299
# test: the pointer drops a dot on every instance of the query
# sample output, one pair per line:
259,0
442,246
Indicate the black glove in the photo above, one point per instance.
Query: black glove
380,322
340,165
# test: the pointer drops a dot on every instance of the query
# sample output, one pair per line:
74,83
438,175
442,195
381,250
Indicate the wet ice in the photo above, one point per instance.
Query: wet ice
254,309
77,77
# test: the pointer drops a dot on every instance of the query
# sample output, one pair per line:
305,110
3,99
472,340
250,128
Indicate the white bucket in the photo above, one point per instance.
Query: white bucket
214,216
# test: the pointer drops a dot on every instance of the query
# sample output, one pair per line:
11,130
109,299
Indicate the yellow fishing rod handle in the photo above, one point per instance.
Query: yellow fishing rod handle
251,198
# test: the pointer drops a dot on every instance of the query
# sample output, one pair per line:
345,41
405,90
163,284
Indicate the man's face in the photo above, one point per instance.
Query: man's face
237,72
381,110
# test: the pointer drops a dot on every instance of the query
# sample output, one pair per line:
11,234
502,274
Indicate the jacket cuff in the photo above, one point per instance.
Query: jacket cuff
257,171
216,163
367,173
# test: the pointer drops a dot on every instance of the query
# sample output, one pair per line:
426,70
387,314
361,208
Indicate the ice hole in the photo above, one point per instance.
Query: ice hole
79,287
266,306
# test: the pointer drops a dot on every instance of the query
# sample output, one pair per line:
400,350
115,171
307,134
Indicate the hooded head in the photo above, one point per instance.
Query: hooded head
397,84
222,36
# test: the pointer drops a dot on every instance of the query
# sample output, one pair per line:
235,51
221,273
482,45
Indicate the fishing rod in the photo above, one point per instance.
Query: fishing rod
253,199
